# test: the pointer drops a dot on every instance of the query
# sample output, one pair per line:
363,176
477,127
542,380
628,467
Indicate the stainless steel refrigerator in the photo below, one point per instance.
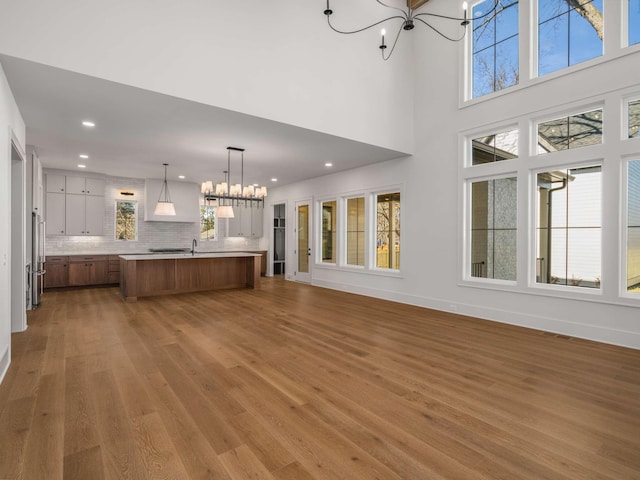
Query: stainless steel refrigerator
37,259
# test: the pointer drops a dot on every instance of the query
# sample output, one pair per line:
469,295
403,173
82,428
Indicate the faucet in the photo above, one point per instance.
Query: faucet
194,244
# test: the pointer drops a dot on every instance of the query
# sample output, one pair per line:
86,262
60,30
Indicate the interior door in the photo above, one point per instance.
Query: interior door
303,242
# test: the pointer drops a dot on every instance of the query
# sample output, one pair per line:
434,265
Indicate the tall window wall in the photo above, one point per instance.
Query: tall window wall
564,33
495,47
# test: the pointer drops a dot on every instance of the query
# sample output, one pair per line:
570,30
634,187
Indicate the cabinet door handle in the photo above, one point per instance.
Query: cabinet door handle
61,231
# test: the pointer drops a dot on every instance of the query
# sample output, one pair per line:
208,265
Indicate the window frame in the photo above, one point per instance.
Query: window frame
215,227
371,238
627,100
318,261
115,219
624,230
468,229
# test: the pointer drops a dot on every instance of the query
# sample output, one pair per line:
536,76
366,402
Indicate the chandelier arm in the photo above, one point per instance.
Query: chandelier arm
395,8
447,17
364,28
442,34
393,47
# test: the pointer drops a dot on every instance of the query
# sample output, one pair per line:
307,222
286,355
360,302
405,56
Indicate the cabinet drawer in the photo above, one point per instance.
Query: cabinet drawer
114,266
114,277
56,259
88,258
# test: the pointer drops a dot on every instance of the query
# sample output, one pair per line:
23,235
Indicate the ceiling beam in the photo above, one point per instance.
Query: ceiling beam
416,3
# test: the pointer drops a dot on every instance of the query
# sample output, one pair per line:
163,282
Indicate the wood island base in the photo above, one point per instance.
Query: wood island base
144,276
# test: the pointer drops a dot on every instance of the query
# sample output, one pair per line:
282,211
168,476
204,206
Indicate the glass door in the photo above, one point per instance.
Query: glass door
303,243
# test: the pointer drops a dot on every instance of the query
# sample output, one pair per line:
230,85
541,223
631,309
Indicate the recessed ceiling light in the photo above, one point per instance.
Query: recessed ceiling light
81,166
328,164
181,177
83,155
274,179
88,123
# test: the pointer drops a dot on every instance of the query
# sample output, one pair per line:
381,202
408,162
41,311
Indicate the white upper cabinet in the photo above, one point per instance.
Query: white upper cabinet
56,183
85,186
247,221
55,213
184,195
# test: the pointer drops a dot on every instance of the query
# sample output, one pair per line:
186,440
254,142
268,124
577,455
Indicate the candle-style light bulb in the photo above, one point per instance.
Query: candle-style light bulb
465,6
328,10
383,32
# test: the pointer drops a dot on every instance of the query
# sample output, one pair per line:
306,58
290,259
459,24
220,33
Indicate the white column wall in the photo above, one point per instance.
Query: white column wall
11,124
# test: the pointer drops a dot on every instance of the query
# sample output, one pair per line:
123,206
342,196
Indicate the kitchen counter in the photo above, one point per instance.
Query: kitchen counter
163,274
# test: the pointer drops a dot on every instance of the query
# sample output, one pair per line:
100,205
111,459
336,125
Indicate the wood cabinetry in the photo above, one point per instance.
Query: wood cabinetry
88,270
75,205
114,269
247,221
57,268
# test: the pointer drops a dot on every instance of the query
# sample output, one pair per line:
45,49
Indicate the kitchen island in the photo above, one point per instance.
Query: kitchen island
148,275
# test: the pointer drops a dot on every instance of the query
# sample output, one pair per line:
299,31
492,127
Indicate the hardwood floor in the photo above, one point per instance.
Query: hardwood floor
292,382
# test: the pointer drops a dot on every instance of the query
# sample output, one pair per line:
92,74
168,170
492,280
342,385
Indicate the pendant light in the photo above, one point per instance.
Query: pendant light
164,205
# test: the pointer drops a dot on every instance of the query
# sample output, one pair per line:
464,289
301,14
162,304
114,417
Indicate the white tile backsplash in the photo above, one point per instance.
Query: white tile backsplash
150,234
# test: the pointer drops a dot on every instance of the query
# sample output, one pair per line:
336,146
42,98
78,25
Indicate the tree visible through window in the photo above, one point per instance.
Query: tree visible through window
126,220
495,47
388,231
207,222
569,32
634,22
355,231
329,210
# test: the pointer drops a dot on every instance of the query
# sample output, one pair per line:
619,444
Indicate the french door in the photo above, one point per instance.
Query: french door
303,242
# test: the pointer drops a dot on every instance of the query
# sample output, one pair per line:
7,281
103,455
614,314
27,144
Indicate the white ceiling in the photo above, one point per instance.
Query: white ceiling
139,130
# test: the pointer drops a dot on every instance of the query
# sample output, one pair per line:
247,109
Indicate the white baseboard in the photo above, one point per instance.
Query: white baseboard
555,325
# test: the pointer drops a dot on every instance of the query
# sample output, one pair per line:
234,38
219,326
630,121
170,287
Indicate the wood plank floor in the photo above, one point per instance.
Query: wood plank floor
292,382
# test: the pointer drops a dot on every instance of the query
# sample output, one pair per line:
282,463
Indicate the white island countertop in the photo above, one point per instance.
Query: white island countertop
173,256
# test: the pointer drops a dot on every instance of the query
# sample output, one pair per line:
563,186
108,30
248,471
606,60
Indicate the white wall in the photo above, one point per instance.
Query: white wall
431,202
274,59
11,124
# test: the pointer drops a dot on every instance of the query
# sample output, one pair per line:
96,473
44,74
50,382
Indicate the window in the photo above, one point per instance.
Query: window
329,212
634,22
495,147
126,220
494,221
207,222
495,47
388,231
568,33
570,132
634,118
355,231
633,227
569,224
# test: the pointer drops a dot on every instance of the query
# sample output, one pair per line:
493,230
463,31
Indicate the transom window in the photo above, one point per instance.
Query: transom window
575,131
633,113
494,147
569,32
495,47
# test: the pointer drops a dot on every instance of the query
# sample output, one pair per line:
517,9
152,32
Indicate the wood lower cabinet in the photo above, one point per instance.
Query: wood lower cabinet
57,275
114,269
88,270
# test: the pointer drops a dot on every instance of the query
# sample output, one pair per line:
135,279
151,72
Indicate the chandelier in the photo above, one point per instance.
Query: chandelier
409,18
227,194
